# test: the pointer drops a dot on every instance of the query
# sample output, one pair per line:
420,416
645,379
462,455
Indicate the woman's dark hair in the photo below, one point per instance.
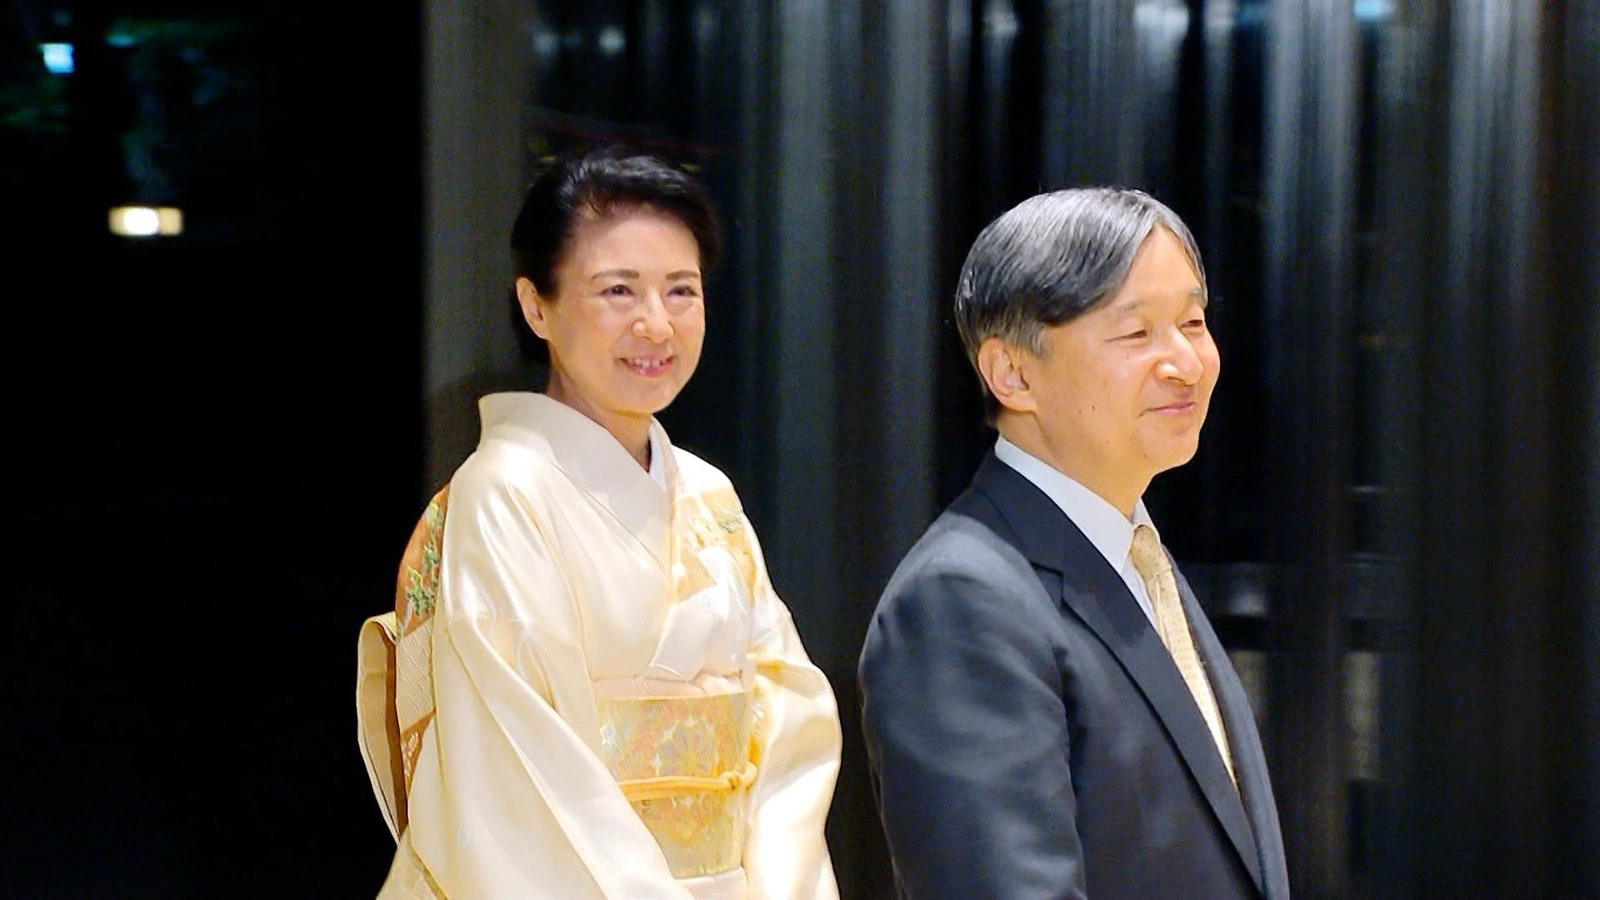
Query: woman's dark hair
598,181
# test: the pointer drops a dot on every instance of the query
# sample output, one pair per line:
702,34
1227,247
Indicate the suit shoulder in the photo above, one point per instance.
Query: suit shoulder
959,558
956,542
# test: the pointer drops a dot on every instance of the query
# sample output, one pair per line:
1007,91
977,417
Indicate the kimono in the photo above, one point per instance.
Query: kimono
588,687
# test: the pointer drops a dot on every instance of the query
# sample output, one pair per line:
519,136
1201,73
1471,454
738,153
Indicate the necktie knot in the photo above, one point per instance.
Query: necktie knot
1147,555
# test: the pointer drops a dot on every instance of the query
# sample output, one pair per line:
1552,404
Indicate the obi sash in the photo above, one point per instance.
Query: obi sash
394,684
684,764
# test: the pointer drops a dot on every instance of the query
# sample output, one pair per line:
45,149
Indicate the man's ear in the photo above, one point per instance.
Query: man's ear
1004,370
533,307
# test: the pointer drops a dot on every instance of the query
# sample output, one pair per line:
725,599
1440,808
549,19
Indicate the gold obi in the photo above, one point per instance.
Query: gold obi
684,764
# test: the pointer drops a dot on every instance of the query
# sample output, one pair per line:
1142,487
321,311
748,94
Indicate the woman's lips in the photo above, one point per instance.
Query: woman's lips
648,366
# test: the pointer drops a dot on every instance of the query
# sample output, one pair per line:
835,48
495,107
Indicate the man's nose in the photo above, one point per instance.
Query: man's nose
1182,361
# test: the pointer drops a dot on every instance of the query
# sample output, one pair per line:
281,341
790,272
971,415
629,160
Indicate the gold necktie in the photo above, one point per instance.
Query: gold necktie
1173,627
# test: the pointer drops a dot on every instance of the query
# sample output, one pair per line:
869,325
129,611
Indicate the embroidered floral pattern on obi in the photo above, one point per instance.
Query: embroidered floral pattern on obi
684,763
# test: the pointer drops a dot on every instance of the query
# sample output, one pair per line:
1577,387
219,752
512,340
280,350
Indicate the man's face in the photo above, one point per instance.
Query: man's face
1122,391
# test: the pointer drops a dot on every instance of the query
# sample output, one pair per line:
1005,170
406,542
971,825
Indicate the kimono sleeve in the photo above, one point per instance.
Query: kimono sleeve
511,798
798,744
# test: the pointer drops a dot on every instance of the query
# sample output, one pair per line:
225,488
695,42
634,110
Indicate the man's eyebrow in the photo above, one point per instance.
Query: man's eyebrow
1196,293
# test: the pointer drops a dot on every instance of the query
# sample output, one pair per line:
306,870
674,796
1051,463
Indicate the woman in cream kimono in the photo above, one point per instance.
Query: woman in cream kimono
588,687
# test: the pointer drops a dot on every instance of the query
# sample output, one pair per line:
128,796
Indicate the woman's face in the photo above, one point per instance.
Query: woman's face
628,318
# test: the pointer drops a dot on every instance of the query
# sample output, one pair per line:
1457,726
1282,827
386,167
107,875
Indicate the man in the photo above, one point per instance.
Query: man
1047,711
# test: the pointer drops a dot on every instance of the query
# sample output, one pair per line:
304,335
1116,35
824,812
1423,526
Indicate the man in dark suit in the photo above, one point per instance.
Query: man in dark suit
1047,711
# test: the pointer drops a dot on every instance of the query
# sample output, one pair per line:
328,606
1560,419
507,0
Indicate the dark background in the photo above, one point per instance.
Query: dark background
216,443
221,440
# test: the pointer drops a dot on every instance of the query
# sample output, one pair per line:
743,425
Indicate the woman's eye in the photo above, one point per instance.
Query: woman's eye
618,290
681,298
1133,335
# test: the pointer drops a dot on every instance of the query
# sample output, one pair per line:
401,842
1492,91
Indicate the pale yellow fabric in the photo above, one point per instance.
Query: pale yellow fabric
408,879
378,733
1173,626
566,572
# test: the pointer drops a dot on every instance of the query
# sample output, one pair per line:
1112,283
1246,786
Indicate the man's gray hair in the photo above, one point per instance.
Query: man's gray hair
1052,258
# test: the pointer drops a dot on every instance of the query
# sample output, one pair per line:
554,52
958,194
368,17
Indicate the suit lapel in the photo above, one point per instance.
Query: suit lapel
1094,593
1249,762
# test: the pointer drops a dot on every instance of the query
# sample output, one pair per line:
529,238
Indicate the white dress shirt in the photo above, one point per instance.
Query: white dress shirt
1106,528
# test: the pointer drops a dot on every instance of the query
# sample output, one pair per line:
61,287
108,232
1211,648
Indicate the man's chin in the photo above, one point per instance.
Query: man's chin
1174,457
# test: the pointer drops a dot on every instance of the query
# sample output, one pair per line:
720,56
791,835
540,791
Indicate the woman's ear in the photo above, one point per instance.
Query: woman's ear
1003,369
533,307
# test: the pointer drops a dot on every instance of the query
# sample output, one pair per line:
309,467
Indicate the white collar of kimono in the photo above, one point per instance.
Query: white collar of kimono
594,459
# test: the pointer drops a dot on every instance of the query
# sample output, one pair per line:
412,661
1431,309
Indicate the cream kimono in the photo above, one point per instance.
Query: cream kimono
589,687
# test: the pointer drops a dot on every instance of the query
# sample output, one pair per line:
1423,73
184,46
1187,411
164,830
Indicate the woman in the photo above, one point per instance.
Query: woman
589,687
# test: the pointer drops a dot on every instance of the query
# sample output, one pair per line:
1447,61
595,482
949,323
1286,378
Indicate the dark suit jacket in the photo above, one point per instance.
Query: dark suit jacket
1029,734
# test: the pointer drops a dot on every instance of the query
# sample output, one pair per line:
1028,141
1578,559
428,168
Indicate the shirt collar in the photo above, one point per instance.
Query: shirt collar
1106,528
